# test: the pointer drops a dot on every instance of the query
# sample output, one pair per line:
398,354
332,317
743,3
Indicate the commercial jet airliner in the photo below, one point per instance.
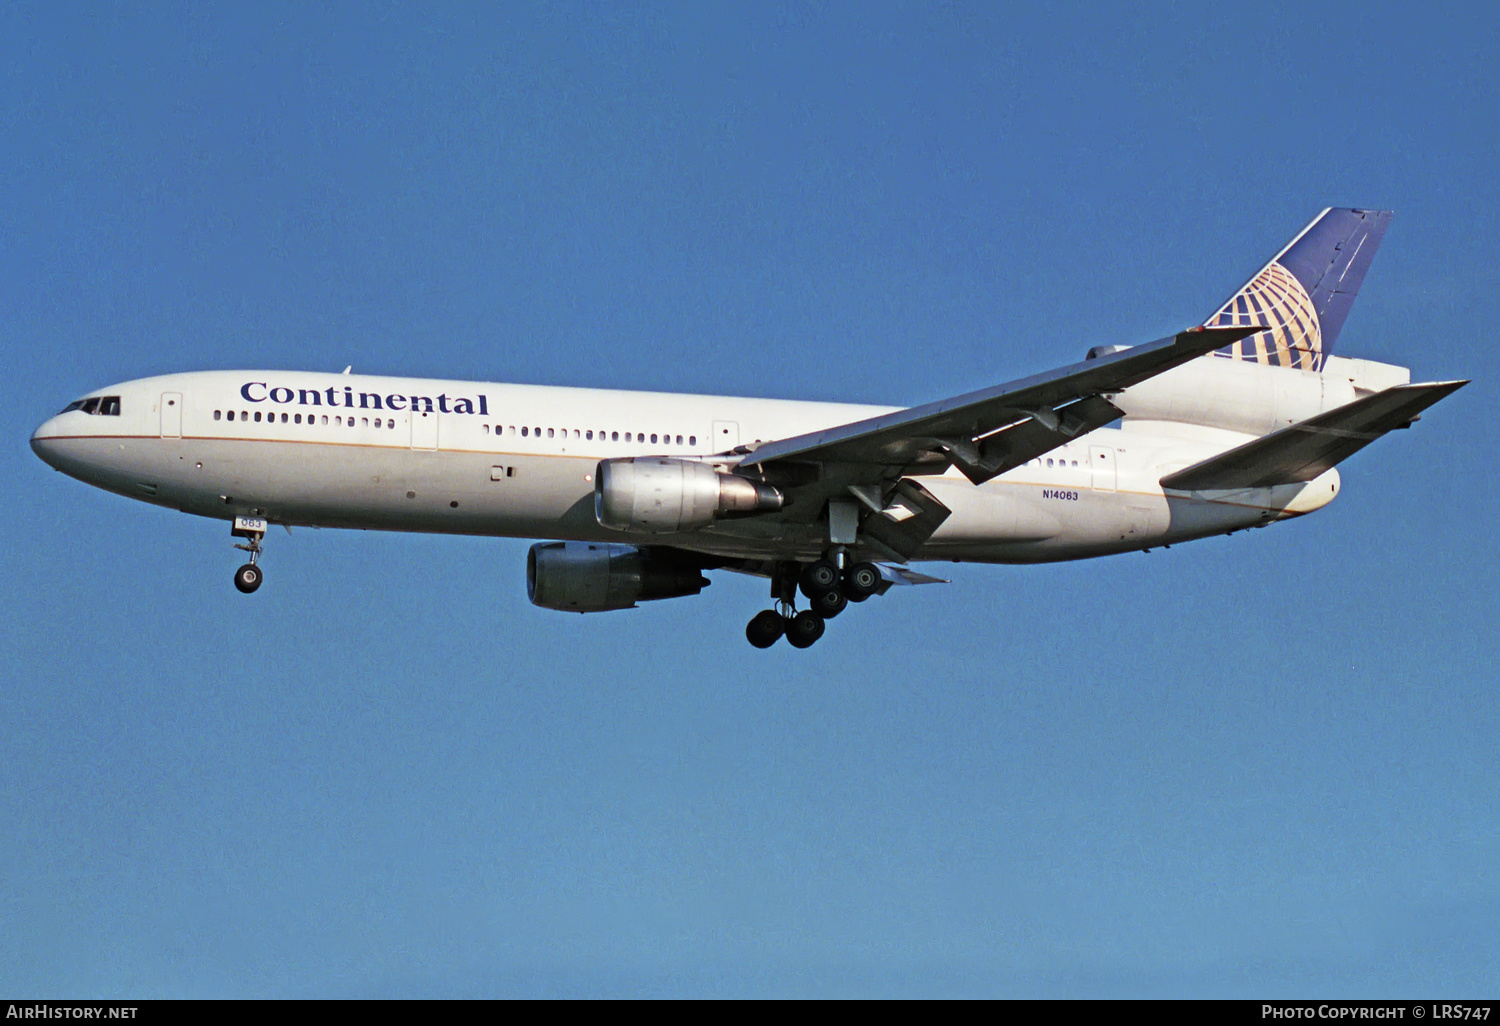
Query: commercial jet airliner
1232,424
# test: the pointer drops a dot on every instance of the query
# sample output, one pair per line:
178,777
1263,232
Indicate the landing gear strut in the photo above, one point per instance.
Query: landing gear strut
248,577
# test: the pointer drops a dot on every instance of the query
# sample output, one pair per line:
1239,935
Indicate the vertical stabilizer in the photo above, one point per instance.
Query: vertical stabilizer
1305,292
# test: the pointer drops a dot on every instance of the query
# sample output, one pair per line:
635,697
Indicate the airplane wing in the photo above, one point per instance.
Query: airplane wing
1305,450
983,433
988,432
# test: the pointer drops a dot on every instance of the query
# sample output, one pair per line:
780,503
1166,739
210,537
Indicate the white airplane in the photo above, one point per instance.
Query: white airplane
1233,424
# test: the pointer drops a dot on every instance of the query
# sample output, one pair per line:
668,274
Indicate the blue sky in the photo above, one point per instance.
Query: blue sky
1261,765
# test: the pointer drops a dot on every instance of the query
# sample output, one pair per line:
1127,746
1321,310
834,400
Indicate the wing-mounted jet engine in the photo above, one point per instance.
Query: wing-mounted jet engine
660,495
589,577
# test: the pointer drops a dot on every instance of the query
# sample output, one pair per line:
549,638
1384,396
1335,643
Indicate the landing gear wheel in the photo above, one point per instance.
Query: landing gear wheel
765,627
830,604
803,629
248,577
819,577
861,581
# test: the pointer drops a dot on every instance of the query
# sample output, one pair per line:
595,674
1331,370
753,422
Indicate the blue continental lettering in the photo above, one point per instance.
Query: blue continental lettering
260,391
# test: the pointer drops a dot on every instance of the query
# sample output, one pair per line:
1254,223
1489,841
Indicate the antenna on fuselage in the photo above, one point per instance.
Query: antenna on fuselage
348,368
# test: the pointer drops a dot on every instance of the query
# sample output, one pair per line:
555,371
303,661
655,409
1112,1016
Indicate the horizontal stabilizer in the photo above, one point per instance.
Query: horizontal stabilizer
1305,450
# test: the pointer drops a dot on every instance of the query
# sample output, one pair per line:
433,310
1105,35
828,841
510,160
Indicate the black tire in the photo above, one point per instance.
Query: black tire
248,577
861,581
804,629
830,604
764,628
819,577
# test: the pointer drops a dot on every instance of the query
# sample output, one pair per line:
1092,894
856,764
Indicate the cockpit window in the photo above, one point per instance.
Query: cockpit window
99,406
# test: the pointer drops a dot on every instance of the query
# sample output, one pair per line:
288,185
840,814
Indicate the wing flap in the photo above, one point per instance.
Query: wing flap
1033,435
911,516
1305,450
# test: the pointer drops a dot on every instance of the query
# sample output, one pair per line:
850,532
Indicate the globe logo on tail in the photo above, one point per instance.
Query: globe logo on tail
1275,298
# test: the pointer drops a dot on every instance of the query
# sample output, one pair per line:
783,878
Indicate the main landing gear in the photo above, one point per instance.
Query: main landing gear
828,592
248,577
801,629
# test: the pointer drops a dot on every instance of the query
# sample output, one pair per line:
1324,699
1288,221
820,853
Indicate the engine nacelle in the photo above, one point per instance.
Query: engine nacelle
591,577
657,495
1236,395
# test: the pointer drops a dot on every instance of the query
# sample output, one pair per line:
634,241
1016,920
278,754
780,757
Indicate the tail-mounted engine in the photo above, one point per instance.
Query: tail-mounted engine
657,495
591,577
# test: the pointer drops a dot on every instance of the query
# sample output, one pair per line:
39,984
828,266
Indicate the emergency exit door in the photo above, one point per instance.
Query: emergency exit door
424,429
171,415
1102,464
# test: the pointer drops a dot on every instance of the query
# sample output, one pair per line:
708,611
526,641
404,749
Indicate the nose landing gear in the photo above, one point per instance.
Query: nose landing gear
248,577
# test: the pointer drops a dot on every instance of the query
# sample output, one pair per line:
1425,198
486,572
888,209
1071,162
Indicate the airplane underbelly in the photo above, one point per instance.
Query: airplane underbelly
375,487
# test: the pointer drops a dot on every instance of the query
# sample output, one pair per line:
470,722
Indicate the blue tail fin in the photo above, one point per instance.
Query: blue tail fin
1305,292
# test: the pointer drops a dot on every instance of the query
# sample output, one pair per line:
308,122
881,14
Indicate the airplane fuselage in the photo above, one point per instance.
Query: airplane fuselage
474,458
1233,423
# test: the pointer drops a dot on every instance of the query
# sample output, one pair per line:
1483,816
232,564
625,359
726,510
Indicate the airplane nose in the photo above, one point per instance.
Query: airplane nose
44,443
